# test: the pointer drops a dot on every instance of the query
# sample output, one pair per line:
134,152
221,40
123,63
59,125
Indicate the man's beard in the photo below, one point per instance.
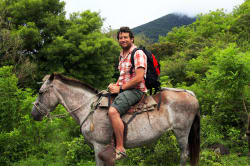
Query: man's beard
127,47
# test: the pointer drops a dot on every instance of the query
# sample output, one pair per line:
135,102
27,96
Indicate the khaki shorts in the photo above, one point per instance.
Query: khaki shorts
126,99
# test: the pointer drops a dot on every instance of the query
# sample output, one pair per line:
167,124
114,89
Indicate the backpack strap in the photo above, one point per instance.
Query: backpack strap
132,59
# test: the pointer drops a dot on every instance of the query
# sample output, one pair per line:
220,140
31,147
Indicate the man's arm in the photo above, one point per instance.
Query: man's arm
139,77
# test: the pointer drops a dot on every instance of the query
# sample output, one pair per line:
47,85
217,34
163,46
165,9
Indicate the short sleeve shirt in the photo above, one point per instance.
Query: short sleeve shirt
140,60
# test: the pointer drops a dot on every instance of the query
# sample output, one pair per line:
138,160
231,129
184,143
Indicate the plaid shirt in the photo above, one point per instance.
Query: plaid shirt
140,60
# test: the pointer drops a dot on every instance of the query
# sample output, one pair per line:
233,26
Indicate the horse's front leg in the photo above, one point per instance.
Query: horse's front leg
98,148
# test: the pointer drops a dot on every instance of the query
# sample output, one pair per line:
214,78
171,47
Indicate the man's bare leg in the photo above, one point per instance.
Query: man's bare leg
118,127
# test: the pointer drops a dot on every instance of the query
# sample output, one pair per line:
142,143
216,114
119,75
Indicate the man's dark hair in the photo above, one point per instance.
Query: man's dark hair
125,30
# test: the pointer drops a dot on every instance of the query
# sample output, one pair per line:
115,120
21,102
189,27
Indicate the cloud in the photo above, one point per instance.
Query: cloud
133,13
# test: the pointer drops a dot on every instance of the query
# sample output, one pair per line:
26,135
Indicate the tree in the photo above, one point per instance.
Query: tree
37,22
83,52
28,26
163,50
9,99
224,92
10,46
52,43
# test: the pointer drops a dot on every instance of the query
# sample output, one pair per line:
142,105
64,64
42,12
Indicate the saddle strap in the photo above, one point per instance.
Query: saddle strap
109,98
159,103
109,95
134,115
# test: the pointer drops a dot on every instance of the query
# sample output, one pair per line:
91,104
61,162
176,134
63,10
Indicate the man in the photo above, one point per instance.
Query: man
130,87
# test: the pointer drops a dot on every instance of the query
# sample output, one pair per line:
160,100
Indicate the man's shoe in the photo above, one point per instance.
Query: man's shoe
120,155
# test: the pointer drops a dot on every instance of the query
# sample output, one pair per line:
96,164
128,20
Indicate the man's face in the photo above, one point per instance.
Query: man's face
125,41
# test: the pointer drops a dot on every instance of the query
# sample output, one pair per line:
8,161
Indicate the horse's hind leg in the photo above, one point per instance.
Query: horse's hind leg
182,138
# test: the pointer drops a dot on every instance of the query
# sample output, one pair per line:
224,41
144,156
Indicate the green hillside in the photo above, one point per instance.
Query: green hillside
162,25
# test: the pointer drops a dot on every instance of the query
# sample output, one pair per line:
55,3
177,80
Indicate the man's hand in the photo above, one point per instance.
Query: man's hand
114,89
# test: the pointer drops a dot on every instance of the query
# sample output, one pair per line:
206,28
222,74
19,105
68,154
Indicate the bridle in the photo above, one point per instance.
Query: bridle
44,111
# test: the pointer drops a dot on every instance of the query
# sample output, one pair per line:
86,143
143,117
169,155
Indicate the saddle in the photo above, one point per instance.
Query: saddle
147,103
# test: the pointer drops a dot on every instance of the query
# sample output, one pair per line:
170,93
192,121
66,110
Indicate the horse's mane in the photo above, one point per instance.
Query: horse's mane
74,82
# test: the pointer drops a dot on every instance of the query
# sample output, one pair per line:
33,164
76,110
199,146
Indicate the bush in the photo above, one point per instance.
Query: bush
210,134
12,147
209,158
78,152
9,100
234,159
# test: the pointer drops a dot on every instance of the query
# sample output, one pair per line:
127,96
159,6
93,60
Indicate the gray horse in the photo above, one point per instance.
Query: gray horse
179,111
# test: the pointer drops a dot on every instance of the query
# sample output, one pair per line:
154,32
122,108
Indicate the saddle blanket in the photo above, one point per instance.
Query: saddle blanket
179,90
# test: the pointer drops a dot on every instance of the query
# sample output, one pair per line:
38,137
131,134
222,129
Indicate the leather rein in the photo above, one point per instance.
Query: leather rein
44,111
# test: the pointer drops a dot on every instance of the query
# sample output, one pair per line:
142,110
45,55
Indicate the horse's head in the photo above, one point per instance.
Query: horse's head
46,101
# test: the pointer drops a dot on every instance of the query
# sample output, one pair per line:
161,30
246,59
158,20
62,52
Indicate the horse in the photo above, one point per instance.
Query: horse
178,111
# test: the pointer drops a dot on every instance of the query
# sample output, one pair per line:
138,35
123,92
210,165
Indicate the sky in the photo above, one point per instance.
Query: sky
134,13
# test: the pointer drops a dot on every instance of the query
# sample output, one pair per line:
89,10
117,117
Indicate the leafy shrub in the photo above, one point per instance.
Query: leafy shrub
12,147
9,99
210,133
234,159
78,152
209,158
31,161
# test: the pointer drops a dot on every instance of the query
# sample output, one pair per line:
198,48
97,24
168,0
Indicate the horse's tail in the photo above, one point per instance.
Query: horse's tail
194,141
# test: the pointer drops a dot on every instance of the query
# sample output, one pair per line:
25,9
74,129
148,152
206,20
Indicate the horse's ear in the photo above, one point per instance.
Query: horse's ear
51,78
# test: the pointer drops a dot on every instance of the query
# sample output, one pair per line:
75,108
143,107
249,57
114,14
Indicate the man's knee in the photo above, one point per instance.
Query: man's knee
113,112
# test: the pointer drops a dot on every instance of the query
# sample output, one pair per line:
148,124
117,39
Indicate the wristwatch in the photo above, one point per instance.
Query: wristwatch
121,90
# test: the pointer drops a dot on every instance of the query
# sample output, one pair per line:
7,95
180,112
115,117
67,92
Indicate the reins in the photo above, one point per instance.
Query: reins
94,105
64,104
45,111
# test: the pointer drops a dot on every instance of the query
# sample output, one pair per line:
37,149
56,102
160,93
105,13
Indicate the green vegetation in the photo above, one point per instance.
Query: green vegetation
211,57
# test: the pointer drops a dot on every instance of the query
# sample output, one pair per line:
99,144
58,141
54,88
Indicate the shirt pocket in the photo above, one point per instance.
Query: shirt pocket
127,67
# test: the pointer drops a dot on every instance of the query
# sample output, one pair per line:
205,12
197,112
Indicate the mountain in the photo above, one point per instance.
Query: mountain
162,25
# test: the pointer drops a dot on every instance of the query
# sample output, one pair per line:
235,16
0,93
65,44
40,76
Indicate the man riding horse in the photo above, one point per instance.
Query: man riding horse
178,111
130,87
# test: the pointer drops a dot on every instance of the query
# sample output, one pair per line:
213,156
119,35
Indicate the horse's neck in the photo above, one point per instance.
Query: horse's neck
76,100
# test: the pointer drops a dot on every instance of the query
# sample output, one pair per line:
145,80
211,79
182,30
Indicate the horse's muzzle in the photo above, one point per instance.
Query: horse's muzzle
36,115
